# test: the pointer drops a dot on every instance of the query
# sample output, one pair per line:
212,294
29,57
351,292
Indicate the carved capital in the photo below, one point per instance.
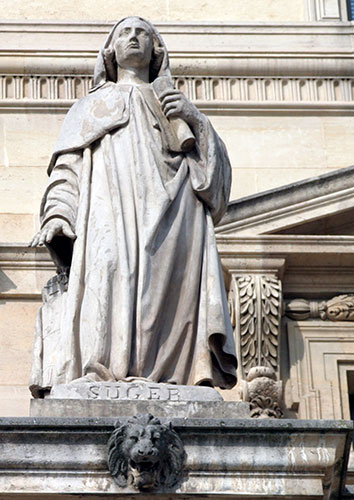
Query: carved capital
144,454
339,308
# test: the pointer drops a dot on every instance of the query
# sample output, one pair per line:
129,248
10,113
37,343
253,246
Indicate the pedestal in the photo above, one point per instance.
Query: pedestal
54,458
108,399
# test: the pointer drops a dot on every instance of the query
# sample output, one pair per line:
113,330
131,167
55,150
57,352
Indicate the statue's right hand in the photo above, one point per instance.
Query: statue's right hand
51,229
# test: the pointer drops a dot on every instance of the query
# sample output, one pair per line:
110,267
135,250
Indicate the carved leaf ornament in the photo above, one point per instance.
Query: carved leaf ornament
270,296
257,313
255,303
248,320
339,308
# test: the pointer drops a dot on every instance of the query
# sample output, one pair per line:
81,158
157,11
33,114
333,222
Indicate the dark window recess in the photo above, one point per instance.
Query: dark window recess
350,375
350,4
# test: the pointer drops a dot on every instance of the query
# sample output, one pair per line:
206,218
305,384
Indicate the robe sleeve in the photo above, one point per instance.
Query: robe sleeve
210,170
61,200
61,197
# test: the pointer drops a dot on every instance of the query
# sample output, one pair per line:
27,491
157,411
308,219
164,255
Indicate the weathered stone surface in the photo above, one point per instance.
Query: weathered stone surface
161,10
318,389
137,390
225,458
291,205
146,295
104,408
145,454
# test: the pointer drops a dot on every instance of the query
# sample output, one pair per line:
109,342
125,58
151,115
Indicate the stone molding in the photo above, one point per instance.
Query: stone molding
231,246
265,49
314,264
291,205
321,355
225,68
47,457
24,271
327,10
213,94
300,212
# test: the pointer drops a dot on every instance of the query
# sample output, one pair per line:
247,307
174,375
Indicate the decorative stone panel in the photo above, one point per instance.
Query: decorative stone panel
255,301
339,308
227,92
321,359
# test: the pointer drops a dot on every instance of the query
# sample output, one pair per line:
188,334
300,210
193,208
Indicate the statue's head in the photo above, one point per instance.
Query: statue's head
133,42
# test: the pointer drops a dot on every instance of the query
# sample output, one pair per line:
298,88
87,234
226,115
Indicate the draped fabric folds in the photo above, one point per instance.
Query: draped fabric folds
145,296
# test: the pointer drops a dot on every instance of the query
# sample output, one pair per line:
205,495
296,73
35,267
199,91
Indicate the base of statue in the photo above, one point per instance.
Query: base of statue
268,459
107,399
136,389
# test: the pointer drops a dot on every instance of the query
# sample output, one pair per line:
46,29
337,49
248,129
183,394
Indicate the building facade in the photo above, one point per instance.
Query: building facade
276,79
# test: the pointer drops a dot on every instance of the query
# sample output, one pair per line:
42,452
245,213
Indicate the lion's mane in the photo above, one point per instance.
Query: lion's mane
164,457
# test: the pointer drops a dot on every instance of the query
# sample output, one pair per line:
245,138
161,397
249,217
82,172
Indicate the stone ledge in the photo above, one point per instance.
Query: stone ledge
50,457
168,409
272,49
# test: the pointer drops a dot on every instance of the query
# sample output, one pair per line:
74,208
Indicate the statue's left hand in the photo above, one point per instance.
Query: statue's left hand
176,105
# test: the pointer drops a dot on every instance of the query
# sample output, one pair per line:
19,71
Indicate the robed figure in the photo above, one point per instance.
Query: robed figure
129,213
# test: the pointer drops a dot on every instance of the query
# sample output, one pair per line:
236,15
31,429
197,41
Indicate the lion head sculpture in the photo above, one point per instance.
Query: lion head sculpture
145,454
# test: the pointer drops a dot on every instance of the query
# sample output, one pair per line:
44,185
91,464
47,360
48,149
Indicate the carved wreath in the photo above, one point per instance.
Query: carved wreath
145,454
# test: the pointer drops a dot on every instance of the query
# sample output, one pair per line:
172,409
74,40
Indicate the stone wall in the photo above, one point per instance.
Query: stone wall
159,10
280,96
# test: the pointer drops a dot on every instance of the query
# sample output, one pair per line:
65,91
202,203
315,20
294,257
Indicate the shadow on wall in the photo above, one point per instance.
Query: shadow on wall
5,283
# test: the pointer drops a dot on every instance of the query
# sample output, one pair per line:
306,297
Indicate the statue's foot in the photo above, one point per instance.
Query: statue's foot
95,373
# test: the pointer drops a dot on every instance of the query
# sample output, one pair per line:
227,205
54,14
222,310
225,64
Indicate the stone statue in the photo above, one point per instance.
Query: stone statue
137,178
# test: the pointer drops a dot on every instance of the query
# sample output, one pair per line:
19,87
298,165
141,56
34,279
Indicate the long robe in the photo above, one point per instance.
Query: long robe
146,296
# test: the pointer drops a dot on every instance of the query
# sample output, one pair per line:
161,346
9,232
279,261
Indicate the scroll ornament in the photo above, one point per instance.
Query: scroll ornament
339,308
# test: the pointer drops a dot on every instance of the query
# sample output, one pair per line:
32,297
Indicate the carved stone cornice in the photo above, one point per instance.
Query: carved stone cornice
44,457
233,49
339,308
291,205
210,93
225,68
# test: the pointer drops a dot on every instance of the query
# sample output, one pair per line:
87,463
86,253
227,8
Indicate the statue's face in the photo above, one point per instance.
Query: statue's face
132,43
